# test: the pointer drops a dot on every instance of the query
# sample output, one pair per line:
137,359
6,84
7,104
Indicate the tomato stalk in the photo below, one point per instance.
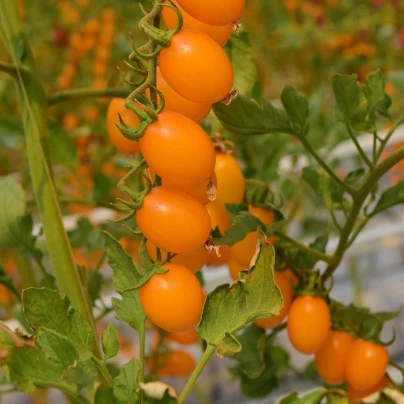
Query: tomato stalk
33,103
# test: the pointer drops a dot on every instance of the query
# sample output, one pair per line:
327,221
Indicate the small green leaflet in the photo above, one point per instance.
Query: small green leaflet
109,340
297,108
314,397
393,196
125,387
373,89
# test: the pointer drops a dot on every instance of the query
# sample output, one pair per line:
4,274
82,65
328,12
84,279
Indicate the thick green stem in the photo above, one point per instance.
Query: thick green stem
10,69
210,350
103,370
33,102
81,93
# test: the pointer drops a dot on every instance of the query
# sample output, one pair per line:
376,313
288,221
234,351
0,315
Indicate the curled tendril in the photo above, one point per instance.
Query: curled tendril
139,70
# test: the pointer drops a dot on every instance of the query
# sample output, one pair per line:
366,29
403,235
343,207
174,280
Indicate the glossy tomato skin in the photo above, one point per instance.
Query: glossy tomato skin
285,286
366,364
309,324
173,301
220,34
230,180
178,150
176,103
184,338
214,12
196,67
331,358
121,143
173,221
194,260
357,395
175,364
235,267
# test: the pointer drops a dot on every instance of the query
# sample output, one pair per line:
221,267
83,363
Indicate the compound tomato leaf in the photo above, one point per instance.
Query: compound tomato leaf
393,196
253,296
246,117
125,386
109,341
45,308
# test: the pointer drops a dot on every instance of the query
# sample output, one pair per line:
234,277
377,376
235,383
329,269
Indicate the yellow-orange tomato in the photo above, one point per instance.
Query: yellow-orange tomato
178,150
196,67
309,324
175,363
214,12
292,277
230,180
173,102
173,221
198,191
219,34
173,301
357,395
218,216
283,283
184,338
194,260
366,364
121,143
244,250
224,251
331,358
235,267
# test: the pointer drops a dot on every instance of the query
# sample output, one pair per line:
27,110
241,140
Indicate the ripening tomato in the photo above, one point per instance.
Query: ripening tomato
235,267
218,216
196,67
309,324
183,338
366,364
120,142
219,34
244,250
173,301
214,12
331,358
230,180
173,221
174,363
178,150
285,286
198,191
194,260
358,395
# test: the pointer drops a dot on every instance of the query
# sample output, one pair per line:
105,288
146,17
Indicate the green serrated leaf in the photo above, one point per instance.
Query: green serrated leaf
236,208
314,397
227,308
373,89
45,308
393,196
297,108
81,374
94,284
125,387
109,340
130,310
248,117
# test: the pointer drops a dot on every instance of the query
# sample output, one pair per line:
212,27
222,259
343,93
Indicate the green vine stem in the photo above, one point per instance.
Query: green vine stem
210,350
365,158
11,69
103,370
388,136
33,102
80,93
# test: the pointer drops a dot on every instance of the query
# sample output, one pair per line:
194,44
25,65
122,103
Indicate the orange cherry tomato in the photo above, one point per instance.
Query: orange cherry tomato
194,260
230,180
357,395
218,216
214,12
292,277
178,150
173,102
173,221
283,283
214,259
219,34
185,338
196,67
235,267
175,363
198,191
366,364
120,142
331,358
173,301
309,324
244,250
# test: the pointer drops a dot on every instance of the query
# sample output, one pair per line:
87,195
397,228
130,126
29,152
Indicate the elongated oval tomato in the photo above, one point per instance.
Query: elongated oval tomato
176,103
219,34
357,395
309,324
194,260
366,364
185,338
175,364
173,221
173,301
235,267
285,286
196,67
121,143
178,150
230,180
214,12
331,358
